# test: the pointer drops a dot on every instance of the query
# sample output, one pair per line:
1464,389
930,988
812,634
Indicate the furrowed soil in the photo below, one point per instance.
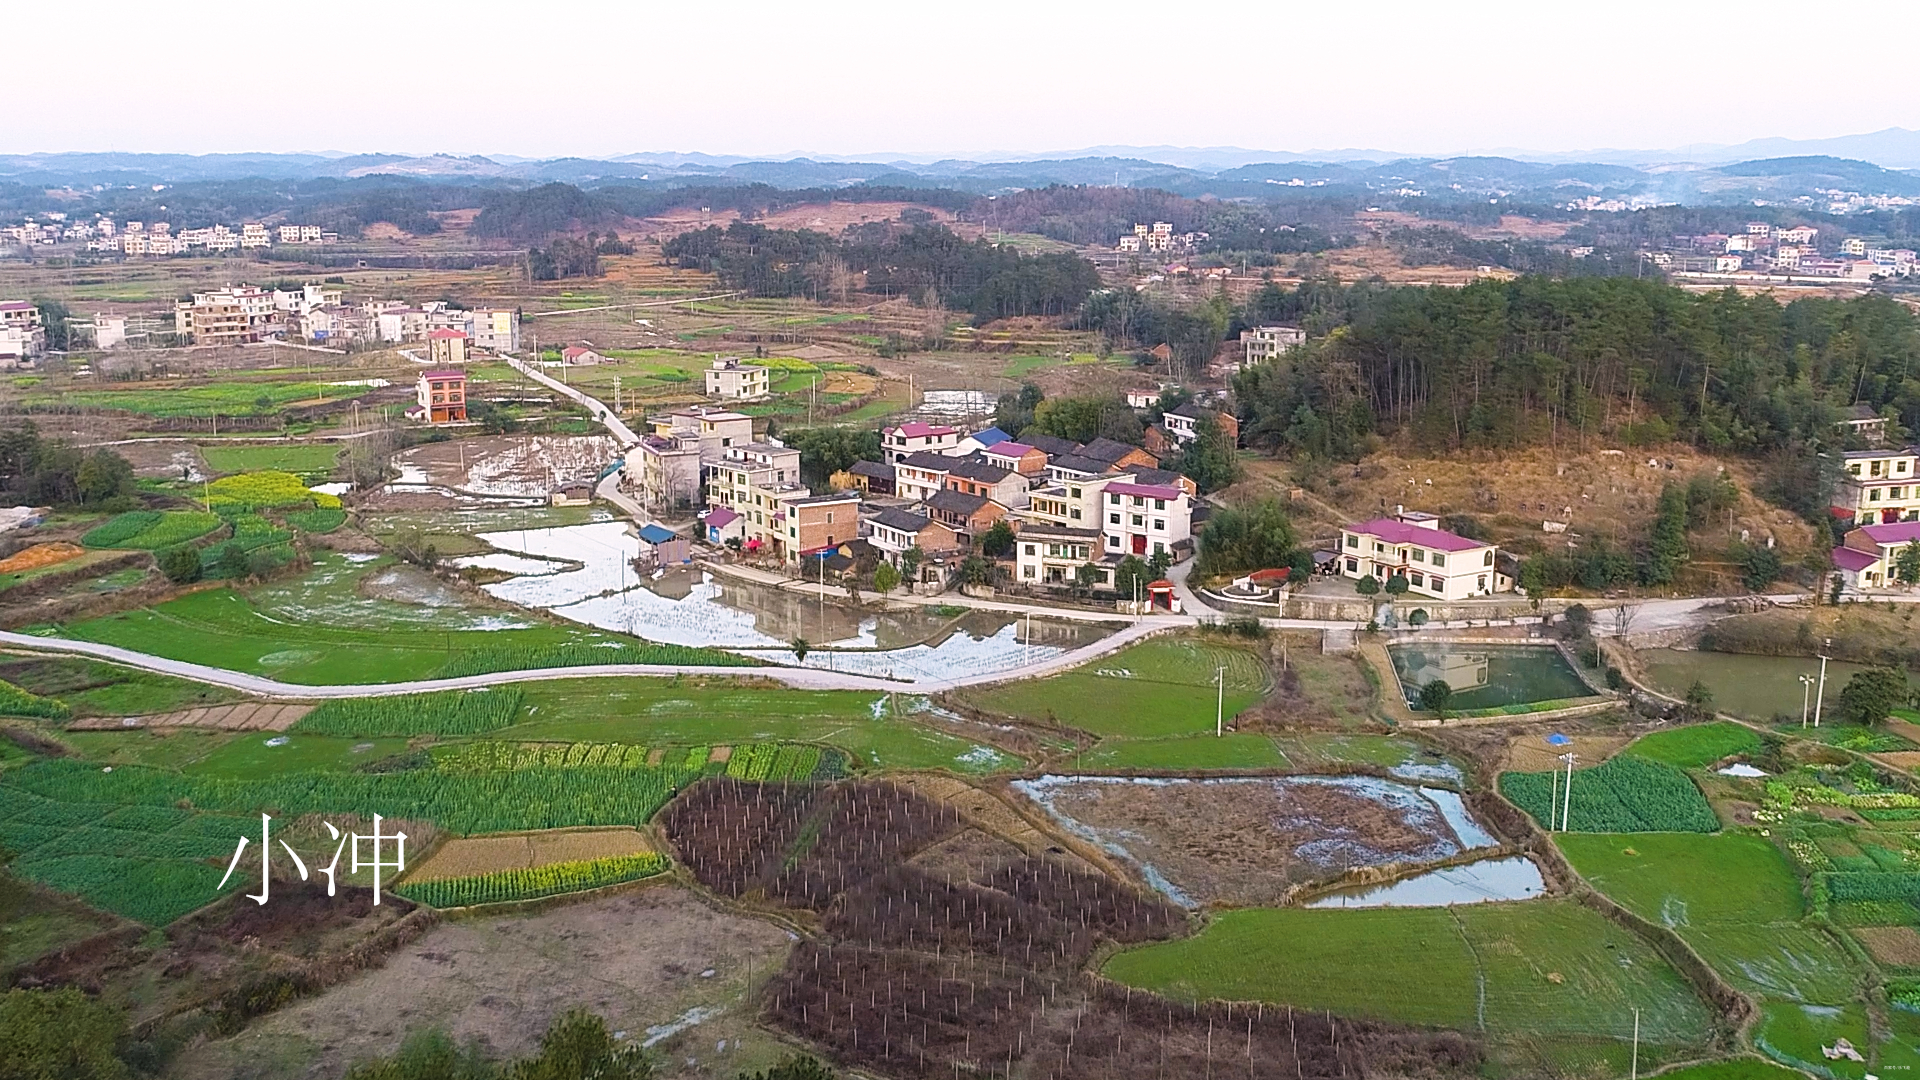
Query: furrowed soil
251,716
473,855
40,555
640,959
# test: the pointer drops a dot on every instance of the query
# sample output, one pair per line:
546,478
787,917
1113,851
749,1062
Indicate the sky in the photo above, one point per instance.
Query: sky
836,77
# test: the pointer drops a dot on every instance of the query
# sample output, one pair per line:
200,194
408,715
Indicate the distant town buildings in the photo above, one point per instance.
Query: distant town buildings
1160,238
22,337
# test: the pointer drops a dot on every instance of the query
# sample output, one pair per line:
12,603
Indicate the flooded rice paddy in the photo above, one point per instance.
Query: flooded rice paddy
1487,676
1488,880
1248,840
585,573
1754,687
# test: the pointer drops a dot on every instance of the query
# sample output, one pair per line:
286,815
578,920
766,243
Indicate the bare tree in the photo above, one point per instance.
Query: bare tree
1623,616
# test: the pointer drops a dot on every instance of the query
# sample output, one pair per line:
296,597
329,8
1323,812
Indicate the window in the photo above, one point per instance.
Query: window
1113,499
1159,504
1160,524
1353,566
1438,585
1439,559
1027,570
1483,583
1074,514
1353,541
1113,541
1854,468
1030,549
1159,548
1075,492
829,517
1873,494
1137,521
1419,555
1487,559
1414,578
1113,519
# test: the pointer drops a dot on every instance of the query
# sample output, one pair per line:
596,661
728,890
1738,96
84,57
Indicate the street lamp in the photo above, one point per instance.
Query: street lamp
1806,688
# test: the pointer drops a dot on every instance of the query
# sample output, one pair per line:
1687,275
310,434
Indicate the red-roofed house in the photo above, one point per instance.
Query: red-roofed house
447,346
580,356
442,397
1435,562
898,442
1146,519
1865,558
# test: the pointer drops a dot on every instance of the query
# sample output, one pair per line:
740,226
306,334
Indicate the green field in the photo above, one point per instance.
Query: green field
226,398
307,459
1546,968
697,711
1627,793
222,628
1151,690
1233,750
1733,897
97,688
1698,746
252,755
1734,1069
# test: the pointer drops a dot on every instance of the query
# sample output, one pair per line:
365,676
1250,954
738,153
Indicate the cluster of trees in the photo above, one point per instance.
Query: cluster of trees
565,257
43,472
927,263
1246,538
1086,214
1656,560
1535,360
828,450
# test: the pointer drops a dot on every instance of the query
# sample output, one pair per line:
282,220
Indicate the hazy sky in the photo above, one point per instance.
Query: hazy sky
562,77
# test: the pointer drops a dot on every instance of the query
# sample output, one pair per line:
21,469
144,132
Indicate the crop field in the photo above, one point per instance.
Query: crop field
150,530
504,886
918,974
97,688
258,754
450,712
1234,750
1625,794
477,856
1541,968
1698,746
308,460
221,628
878,732
225,398
1151,690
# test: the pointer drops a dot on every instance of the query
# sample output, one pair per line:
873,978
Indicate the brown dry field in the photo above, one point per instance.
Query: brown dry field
473,855
832,218
1241,843
638,959
40,555
1894,946
1530,752
249,716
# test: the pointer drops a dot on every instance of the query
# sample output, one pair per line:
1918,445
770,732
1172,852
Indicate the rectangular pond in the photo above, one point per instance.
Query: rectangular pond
1755,687
1487,676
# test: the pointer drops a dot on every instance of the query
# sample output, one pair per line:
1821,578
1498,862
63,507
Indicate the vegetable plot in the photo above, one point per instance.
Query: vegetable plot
1626,794
529,884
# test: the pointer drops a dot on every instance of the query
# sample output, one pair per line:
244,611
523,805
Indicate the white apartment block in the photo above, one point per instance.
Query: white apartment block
1269,342
730,379
1880,486
1146,520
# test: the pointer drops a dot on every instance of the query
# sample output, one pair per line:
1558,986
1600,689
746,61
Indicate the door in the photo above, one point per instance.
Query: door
1139,545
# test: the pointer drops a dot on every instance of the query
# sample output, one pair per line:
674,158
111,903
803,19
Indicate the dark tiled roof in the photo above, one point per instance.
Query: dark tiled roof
905,520
1165,477
1075,463
978,470
950,501
871,468
1054,447
1107,450
928,459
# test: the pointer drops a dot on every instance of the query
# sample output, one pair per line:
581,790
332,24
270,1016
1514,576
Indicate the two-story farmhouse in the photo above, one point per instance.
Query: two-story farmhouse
1435,562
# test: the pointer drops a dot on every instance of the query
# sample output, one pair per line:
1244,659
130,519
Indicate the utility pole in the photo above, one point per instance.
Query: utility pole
1806,689
1634,1071
1566,794
1821,698
1553,796
1220,701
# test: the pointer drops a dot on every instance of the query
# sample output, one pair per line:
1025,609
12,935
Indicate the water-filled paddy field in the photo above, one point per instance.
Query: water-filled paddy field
1487,676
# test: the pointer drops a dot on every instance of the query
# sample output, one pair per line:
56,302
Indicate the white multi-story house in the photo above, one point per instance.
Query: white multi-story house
1146,520
1804,234
1879,486
255,235
730,379
899,441
1052,555
893,530
921,474
1727,264
1436,563
494,329
1268,342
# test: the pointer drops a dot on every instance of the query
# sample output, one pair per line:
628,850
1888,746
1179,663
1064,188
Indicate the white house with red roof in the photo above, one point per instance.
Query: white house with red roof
1145,520
911,438
1866,556
1435,562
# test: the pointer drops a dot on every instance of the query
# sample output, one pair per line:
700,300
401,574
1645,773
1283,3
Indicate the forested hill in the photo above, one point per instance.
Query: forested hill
1534,360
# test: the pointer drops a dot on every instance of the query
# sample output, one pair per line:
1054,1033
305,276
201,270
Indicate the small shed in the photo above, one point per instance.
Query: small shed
663,546
573,493
721,525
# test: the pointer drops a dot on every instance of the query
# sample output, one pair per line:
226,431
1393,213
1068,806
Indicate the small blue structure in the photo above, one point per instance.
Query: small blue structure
1557,739
664,546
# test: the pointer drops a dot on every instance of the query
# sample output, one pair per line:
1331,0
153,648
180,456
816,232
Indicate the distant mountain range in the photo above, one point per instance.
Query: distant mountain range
1804,172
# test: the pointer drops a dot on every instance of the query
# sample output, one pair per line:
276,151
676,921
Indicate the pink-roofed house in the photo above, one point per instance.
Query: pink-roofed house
1865,558
911,438
1145,520
1436,563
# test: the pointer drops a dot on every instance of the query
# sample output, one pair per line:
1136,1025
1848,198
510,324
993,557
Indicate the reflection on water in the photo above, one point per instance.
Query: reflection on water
1487,676
1755,687
1475,883
585,573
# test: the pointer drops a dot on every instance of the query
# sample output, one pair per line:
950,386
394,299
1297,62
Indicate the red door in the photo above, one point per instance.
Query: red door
1139,545
1888,517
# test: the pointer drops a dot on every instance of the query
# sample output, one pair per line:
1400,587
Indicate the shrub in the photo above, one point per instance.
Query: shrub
58,1033
1616,679
180,563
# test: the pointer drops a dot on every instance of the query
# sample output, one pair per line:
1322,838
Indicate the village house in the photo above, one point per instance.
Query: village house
730,379
753,475
1004,486
870,477
1435,562
1879,486
494,329
820,523
1050,445
893,530
573,493
1183,424
979,441
580,356
1052,555
440,397
447,346
1146,520
920,474
1019,457
1118,455
720,525
970,515
663,470
1862,421
1263,343
1142,399
661,546
904,439
1867,556
21,336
